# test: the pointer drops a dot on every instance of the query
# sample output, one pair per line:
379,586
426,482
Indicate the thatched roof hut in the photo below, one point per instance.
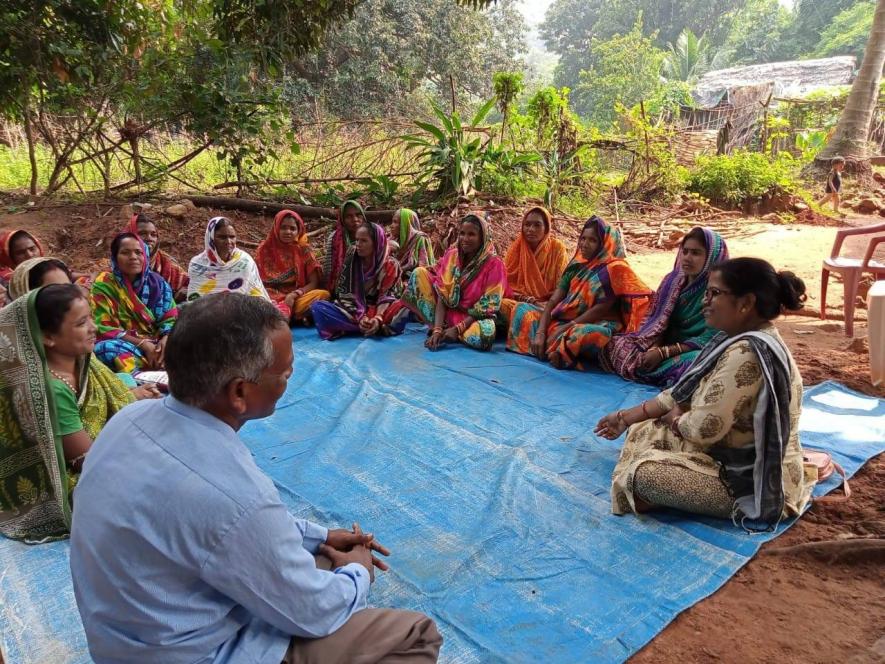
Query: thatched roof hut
795,78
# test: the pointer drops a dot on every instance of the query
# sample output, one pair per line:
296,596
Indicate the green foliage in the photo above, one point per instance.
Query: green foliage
212,68
561,170
777,129
381,189
848,32
58,44
449,155
624,69
809,143
507,172
810,19
275,31
507,86
546,109
654,172
757,35
570,26
391,54
669,98
688,59
734,178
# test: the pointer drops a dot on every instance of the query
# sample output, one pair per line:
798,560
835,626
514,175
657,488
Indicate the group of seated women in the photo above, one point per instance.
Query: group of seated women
733,393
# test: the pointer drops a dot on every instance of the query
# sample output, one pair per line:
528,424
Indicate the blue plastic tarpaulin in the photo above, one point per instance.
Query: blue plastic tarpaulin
481,472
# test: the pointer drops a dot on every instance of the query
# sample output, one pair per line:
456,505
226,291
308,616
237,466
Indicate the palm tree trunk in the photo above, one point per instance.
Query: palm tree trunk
851,137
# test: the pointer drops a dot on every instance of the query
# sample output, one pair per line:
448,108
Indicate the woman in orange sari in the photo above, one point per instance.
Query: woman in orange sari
598,295
16,246
534,262
289,269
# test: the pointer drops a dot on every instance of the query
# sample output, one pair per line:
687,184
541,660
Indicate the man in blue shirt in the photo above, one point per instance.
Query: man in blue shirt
181,550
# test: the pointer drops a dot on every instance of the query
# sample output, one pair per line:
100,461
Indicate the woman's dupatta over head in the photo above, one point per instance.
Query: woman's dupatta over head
338,244
34,503
210,274
35,484
162,263
284,266
623,354
535,273
452,275
378,281
6,263
612,276
415,249
145,306
20,281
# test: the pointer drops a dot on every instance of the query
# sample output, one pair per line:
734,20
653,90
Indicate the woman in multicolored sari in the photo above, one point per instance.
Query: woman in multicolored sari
222,267
415,248
16,246
350,216
161,262
461,295
367,298
598,295
55,397
724,440
535,262
133,308
672,335
288,268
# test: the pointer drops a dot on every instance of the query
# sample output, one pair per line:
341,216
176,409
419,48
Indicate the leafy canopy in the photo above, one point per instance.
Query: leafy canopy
392,53
570,26
848,33
622,70
757,35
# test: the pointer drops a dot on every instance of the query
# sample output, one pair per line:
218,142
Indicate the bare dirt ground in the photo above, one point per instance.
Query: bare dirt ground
796,606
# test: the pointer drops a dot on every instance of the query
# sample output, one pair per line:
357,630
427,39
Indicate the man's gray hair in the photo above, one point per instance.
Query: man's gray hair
216,339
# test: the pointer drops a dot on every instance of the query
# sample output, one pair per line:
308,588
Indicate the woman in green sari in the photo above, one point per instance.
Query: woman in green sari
55,397
673,333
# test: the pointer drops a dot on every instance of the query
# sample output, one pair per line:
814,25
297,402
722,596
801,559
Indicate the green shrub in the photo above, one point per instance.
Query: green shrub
507,173
734,178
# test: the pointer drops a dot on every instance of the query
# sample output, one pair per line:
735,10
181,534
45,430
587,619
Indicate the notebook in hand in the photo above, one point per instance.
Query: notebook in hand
160,378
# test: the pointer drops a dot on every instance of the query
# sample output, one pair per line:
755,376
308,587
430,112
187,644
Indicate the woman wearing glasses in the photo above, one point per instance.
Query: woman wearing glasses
724,440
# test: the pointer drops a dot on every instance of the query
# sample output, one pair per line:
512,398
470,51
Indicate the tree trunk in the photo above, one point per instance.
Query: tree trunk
136,158
851,137
504,123
241,190
32,155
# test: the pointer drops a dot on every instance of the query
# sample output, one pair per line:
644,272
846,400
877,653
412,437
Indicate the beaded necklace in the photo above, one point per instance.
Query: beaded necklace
63,380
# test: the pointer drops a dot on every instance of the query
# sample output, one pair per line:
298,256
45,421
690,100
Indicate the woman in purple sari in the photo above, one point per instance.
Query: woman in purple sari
673,333
367,293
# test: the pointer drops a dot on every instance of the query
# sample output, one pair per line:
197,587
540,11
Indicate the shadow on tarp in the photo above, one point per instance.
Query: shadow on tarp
481,473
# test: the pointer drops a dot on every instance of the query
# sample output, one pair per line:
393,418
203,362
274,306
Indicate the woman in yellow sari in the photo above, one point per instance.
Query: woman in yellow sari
55,397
